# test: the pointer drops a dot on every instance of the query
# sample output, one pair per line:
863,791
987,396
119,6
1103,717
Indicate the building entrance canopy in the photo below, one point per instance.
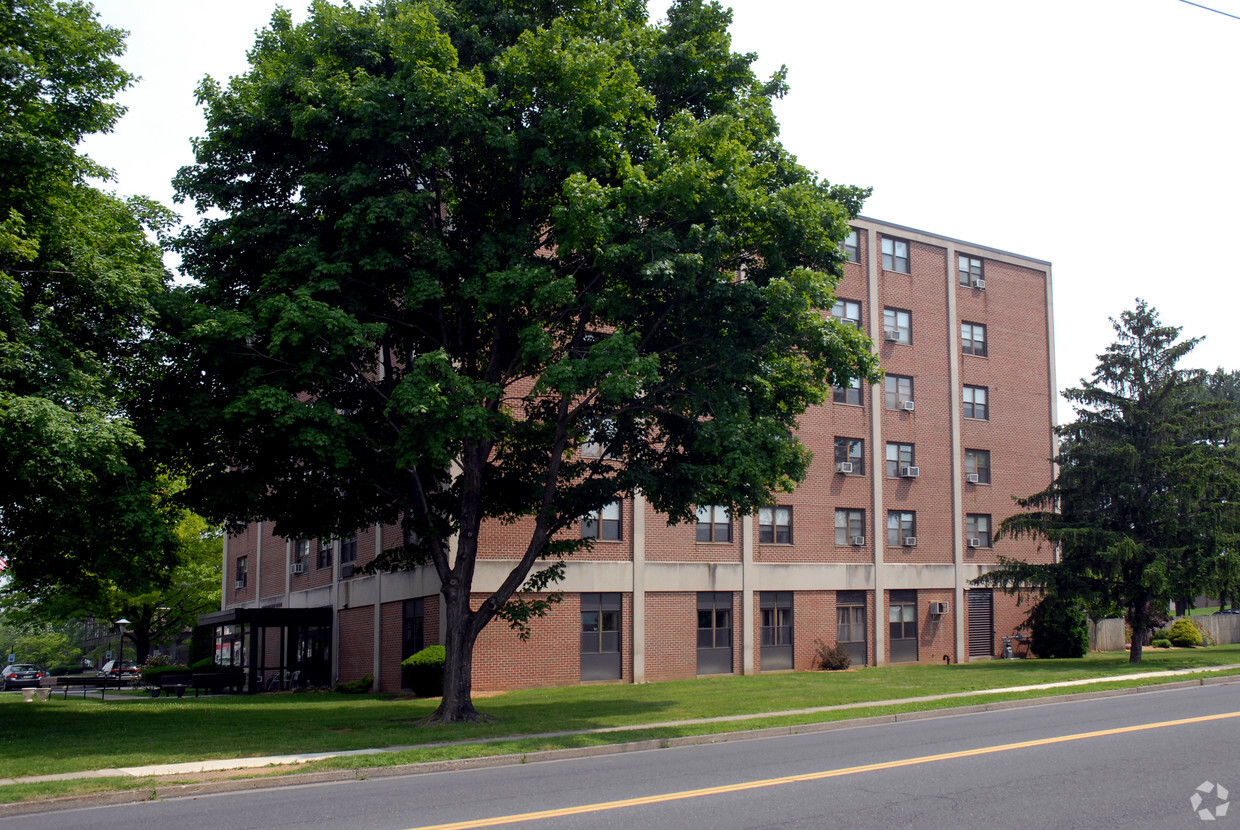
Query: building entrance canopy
276,648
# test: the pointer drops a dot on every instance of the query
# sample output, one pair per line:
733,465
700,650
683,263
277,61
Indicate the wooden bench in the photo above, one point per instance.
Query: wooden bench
85,681
217,681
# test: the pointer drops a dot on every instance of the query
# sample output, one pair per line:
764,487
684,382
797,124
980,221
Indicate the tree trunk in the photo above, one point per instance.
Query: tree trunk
457,705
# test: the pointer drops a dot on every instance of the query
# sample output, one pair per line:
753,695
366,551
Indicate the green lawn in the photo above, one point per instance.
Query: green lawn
71,735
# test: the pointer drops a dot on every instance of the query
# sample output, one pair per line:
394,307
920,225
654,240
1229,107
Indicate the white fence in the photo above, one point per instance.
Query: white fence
1108,635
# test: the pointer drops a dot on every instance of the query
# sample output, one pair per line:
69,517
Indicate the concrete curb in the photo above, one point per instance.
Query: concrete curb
168,790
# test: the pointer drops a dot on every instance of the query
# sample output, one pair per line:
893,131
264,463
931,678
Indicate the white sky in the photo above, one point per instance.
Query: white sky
1076,131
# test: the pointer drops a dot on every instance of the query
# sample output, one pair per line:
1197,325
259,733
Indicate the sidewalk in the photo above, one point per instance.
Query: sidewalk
279,760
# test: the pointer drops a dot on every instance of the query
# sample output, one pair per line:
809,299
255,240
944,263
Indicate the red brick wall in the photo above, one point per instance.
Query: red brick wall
275,562
391,617
357,626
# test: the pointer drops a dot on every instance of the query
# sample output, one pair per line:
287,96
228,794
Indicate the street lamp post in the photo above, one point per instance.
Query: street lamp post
120,652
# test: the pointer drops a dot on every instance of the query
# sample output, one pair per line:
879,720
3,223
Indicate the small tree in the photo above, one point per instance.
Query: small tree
1148,485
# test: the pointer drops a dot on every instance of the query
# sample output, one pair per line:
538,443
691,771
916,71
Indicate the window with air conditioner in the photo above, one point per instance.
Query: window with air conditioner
900,457
970,270
977,466
901,527
977,527
849,455
849,527
898,390
847,311
898,325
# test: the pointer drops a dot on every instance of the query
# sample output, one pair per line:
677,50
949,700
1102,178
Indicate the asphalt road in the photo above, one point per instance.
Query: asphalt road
1127,762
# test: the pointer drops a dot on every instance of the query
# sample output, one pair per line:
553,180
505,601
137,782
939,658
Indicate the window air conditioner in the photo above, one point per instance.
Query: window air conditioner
893,334
297,568
975,542
971,478
240,584
858,541
910,472
346,571
907,406
979,282
938,609
910,541
844,467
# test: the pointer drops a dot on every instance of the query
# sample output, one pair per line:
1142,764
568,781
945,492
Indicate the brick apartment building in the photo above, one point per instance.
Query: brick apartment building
874,551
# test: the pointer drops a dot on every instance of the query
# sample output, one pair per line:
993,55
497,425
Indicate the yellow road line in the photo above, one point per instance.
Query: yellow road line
812,776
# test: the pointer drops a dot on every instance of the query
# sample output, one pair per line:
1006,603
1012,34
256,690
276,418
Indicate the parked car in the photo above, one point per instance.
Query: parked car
110,669
20,675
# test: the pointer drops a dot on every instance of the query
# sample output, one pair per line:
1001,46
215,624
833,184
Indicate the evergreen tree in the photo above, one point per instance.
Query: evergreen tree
1147,489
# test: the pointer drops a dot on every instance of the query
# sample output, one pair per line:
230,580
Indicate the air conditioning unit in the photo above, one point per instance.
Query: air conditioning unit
910,541
938,609
892,334
844,467
907,406
297,568
970,478
240,584
975,542
858,541
910,472
979,282
346,571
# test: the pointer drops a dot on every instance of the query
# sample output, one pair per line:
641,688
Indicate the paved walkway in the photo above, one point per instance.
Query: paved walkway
275,760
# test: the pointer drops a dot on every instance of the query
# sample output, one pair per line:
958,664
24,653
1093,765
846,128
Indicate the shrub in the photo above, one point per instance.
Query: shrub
423,672
1059,628
61,669
1207,636
1160,642
356,687
1184,634
831,657
151,674
204,665
201,644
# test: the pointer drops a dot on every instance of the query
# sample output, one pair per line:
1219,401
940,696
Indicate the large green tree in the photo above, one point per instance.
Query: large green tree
1148,487
78,285
454,242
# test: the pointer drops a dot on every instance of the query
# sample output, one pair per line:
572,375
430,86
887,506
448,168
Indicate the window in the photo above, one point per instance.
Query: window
775,525
899,456
973,339
899,389
776,630
895,255
348,550
898,325
595,445
714,524
714,632
851,451
413,627
902,619
901,526
850,394
975,403
600,636
776,618
977,527
847,311
850,624
602,524
325,553
243,571
970,269
851,246
977,463
849,526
